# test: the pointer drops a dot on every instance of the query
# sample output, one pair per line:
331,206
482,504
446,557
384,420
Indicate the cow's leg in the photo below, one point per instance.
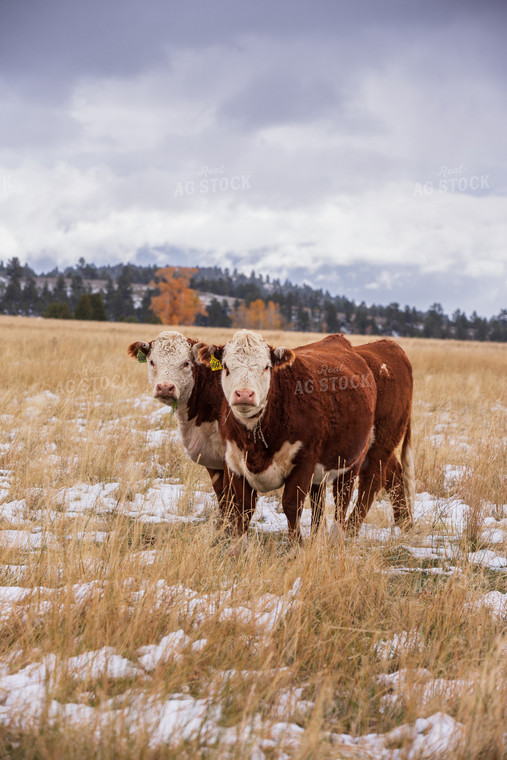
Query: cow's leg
217,481
342,491
237,504
229,497
244,504
366,493
395,490
371,480
295,491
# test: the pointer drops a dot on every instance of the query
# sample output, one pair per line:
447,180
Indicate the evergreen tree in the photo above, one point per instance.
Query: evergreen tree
361,321
144,312
394,318
331,317
109,300
77,288
287,312
84,309
461,325
479,326
59,294
217,314
57,310
30,297
302,320
98,308
44,297
434,322
13,297
498,327
123,301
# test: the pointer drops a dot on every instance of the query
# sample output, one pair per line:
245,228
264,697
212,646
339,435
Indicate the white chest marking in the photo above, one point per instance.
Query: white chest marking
203,443
273,476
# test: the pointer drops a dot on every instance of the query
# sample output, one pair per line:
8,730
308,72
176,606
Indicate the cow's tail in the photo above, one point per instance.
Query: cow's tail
407,464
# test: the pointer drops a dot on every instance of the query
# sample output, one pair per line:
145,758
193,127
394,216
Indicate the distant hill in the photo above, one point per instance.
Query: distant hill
123,292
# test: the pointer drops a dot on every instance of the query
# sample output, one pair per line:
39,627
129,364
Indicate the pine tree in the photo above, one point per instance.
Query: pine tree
124,302
109,300
13,297
434,322
84,309
30,297
44,297
57,310
59,294
144,312
217,314
77,288
98,308
331,317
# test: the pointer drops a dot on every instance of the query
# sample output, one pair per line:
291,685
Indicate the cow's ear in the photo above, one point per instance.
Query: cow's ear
195,347
282,357
139,348
206,355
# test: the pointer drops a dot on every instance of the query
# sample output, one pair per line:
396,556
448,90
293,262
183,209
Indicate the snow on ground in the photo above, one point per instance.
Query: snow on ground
23,692
428,738
496,602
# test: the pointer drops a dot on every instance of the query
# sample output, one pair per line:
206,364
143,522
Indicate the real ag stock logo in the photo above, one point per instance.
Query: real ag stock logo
209,179
453,180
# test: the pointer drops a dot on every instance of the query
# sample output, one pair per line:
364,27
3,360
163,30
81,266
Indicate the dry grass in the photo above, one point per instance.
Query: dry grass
95,430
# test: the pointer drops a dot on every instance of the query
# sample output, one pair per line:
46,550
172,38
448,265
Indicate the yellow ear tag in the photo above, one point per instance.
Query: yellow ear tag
214,363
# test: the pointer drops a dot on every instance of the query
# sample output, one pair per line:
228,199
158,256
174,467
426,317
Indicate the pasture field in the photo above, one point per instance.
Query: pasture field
128,629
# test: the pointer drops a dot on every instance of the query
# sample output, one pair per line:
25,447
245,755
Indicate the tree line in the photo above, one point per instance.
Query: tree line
170,295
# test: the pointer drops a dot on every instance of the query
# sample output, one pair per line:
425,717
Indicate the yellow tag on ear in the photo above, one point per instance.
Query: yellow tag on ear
214,363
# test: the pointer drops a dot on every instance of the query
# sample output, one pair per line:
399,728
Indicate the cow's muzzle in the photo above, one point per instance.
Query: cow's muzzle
244,397
165,391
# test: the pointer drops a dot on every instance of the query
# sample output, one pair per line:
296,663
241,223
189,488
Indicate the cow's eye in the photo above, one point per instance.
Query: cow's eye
186,364
266,367
152,362
224,366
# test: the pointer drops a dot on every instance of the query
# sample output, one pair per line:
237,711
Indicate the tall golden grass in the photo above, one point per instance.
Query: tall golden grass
93,431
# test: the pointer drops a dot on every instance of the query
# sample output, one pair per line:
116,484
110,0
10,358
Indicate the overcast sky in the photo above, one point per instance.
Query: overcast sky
357,146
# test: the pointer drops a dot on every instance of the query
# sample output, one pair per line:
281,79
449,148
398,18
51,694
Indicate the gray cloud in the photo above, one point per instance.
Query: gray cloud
342,116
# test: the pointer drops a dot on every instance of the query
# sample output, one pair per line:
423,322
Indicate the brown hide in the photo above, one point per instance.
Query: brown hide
392,371
381,468
325,399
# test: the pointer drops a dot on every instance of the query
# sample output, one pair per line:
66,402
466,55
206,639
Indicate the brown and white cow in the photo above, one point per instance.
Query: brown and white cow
195,393
290,424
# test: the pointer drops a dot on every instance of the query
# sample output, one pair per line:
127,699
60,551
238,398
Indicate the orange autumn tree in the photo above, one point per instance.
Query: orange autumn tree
258,316
176,303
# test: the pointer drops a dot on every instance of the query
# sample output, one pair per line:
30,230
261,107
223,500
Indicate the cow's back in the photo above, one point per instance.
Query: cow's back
392,371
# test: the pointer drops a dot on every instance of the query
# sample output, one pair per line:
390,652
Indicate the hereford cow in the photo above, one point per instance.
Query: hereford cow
297,417
195,393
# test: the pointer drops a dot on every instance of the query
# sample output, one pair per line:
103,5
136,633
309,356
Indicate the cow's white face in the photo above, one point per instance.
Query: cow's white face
169,361
246,374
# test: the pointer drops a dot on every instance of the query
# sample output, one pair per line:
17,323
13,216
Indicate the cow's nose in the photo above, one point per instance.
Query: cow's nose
164,389
244,396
